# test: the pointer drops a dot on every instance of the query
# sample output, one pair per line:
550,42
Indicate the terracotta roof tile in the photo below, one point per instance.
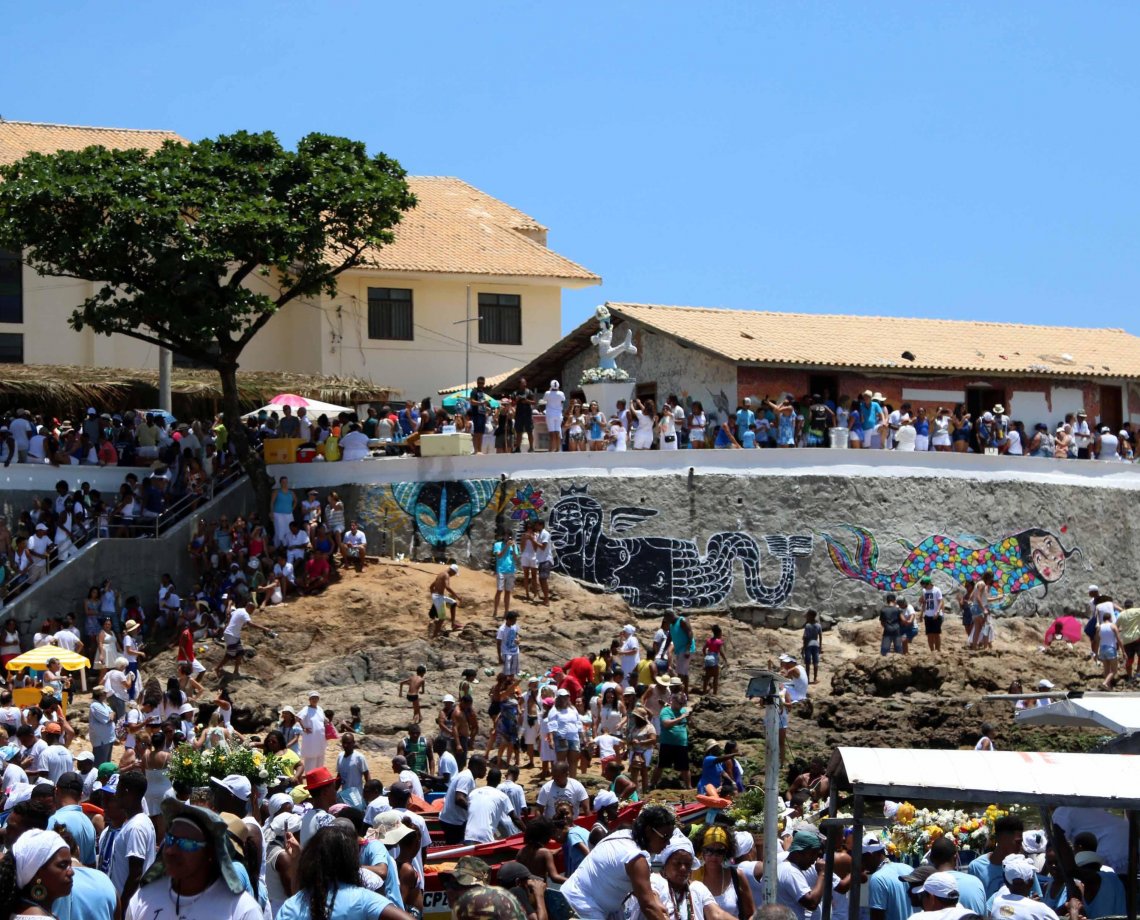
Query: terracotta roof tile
489,382
822,340
19,138
458,229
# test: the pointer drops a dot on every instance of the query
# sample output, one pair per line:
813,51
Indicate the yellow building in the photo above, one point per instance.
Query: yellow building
462,263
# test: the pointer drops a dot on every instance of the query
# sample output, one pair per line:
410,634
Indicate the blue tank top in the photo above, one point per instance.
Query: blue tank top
283,503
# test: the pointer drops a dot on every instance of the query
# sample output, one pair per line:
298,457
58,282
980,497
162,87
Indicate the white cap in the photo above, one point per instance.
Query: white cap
872,843
448,698
314,693
629,629
1104,429
941,885
554,384
788,659
186,709
90,411
748,399
1093,589
1044,684
236,785
453,569
562,691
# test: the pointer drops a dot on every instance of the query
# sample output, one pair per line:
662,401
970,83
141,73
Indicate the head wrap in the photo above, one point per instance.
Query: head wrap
32,850
744,844
1016,867
679,843
1034,842
715,834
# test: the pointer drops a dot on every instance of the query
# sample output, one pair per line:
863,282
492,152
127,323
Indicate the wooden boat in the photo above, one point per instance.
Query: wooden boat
442,858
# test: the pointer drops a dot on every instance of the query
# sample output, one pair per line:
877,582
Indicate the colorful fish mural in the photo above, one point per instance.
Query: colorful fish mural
442,512
1019,562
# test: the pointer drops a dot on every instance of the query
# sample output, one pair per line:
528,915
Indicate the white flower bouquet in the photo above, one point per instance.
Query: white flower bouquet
603,375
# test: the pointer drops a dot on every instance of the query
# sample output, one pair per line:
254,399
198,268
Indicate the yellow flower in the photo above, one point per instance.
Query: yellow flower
187,761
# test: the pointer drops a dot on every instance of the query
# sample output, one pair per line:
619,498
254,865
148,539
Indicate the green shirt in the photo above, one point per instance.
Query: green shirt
679,734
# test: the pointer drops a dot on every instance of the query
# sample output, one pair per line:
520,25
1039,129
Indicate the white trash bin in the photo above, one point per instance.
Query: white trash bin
838,438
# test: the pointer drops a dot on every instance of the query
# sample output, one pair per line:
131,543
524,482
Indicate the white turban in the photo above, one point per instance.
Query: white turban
1034,842
1016,867
744,842
679,843
32,851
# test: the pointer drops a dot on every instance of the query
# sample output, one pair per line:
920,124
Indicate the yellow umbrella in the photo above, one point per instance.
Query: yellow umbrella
38,658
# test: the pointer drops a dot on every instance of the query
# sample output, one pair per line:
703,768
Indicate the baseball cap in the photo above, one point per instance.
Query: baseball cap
469,871
107,769
940,884
872,843
511,874
562,691
238,786
1094,589
917,877
111,786
85,755
1088,858
788,659
299,794
52,728
804,840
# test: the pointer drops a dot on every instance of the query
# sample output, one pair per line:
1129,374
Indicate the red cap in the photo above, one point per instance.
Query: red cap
319,778
556,670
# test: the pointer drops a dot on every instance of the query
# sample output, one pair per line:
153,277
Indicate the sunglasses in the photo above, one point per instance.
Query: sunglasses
185,844
715,851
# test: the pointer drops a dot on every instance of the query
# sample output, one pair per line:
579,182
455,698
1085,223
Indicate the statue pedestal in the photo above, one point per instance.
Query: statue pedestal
607,394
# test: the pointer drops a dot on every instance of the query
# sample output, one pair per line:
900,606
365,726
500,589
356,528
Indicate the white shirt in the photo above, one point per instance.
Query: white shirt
792,883
698,892
157,901
351,769
135,838
515,793
509,637
1008,906
555,400
551,794
599,886
425,839
57,760
931,601
354,539
296,544
488,811
285,571
905,438
448,765
65,638
543,549
452,813
606,744
354,446
797,684
238,618
412,779
21,430
564,723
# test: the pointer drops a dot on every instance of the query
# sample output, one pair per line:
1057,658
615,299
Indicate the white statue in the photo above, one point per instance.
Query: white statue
603,338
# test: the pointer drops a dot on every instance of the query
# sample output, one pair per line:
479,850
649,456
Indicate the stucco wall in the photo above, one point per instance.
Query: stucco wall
663,362
319,335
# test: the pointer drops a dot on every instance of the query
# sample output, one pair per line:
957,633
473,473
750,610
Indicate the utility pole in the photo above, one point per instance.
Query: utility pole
165,366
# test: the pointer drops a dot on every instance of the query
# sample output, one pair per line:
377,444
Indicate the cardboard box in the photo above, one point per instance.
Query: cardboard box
446,445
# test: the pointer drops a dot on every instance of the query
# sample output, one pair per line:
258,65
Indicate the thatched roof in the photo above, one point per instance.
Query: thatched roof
60,387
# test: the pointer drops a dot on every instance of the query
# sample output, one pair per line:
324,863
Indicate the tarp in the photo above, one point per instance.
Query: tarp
38,657
1116,712
992,776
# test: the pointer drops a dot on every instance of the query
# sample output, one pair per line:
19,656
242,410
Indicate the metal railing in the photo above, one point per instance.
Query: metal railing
139,528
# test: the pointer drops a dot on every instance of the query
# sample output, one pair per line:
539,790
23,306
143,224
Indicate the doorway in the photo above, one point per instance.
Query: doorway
1111,407
983,399
826,385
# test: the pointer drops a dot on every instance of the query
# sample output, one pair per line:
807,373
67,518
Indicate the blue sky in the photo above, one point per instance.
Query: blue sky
959,160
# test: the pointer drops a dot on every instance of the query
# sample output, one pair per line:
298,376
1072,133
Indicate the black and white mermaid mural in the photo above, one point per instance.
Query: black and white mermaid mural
658,573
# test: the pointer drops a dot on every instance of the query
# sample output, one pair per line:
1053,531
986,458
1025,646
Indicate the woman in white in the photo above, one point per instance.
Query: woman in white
106,647
354,445
667,430
698,422
607,712
906,437
616,441
940,429
546,753
679,895
619,866
1108,649
643,433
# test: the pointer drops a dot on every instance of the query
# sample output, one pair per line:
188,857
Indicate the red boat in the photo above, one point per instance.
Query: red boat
498,852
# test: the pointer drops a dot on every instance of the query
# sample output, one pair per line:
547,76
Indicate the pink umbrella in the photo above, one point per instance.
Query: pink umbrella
292,400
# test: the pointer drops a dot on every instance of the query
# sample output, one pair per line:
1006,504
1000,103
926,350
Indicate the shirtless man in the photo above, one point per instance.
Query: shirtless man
443,596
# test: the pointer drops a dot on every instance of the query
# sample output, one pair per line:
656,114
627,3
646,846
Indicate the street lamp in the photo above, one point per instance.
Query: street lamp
765,685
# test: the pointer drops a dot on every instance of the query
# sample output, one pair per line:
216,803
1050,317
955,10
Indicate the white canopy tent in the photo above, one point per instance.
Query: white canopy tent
1116,712
314,408
1044,779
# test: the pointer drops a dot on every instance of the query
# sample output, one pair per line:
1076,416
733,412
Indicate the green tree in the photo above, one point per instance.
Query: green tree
173,237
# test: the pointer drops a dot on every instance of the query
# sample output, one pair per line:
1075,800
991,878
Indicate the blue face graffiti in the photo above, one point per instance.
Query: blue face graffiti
442,512
663,572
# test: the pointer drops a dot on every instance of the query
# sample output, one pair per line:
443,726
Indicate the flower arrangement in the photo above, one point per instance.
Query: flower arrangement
196,767
747,812
603,375
917,828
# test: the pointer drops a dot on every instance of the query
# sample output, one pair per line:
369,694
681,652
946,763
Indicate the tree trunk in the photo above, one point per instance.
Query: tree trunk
251,461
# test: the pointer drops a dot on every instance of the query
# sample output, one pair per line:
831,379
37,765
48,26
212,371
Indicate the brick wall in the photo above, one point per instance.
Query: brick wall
761,381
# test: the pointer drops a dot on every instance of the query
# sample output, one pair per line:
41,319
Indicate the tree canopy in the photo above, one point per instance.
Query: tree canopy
172,236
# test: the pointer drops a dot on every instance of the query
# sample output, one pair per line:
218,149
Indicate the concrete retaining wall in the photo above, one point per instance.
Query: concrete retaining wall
770,546
134,566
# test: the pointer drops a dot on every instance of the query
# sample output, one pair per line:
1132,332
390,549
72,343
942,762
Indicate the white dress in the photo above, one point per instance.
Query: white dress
668,432
643,434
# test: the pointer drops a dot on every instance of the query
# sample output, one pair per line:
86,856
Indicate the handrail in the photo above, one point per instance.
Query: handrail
151,527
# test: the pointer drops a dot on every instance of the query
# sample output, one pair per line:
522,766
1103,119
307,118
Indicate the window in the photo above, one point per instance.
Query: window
11,288
11,348
390,314
500,319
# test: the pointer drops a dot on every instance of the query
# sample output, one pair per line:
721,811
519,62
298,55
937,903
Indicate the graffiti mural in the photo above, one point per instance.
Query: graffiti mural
1028,559
442,512
664,572
526,504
